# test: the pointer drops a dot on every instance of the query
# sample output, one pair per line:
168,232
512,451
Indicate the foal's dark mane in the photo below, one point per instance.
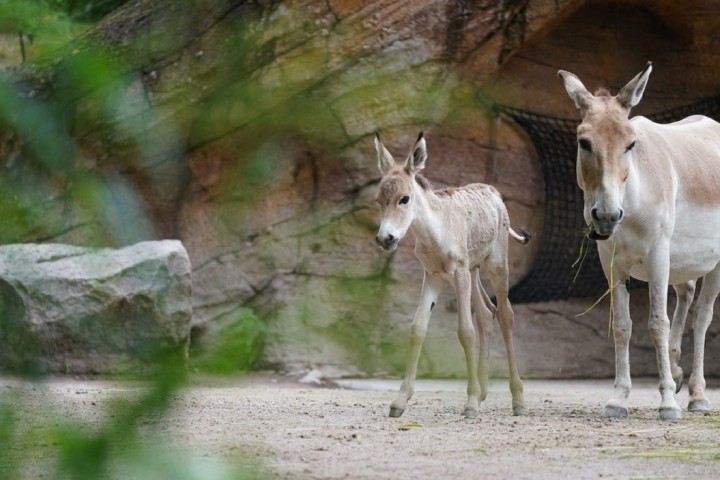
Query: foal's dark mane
423,182
427,186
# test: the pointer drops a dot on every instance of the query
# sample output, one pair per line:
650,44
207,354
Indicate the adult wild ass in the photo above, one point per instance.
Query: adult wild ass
458,231
652,201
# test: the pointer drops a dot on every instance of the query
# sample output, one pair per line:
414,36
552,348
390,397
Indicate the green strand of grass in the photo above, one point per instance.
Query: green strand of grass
607,292
582,253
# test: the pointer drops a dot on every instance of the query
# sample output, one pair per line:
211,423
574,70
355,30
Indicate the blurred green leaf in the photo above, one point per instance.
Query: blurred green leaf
54,180
8,458
45,25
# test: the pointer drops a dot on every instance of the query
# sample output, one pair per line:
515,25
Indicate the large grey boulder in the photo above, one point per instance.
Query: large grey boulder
80,310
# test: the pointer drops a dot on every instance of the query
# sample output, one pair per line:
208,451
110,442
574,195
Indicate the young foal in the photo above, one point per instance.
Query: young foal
652,200
458,231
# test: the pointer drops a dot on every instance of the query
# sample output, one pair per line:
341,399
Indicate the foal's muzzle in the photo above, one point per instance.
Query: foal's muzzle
388,242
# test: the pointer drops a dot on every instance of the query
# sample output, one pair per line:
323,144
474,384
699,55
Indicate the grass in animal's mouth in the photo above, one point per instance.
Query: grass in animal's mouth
583,251
612,284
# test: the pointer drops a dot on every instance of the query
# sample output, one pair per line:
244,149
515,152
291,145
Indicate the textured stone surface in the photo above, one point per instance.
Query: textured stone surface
78,310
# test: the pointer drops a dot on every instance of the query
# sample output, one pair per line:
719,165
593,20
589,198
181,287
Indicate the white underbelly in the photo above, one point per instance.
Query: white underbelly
694,247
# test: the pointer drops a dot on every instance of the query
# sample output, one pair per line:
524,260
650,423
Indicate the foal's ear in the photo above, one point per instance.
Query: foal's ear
385,161
631,93
576,90
416,160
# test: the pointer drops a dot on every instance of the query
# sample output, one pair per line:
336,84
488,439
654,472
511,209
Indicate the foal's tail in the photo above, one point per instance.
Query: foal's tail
520,235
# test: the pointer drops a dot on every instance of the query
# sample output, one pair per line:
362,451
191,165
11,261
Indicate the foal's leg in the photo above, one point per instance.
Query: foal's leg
703,313
506,319
468,339
684,293
484,312
430,291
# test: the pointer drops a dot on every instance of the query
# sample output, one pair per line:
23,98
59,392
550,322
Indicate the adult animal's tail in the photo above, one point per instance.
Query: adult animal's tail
520,235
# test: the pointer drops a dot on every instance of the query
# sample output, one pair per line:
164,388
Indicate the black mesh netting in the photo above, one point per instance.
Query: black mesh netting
552,274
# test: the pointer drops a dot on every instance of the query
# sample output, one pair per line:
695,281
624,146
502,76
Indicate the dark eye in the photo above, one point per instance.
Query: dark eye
630,147
584,144
404,200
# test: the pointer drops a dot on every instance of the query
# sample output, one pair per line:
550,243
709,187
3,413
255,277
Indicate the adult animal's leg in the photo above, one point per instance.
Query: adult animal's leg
506,319
702,316
684,293
430,291
616,407
659,328
468,339
484,312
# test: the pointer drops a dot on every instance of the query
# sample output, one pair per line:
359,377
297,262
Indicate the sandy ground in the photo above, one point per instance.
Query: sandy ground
272,427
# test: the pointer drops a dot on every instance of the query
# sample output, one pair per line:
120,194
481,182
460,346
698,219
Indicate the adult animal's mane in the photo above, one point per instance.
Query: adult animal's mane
602,92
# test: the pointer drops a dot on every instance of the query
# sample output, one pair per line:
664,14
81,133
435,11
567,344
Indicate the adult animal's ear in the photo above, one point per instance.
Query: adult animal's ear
385,161
576,90
631,93
416,160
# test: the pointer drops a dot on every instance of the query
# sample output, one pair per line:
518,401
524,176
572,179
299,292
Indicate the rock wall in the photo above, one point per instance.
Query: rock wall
339,305
260,116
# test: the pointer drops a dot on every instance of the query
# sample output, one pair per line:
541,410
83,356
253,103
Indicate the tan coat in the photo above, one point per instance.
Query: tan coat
458,232
652,200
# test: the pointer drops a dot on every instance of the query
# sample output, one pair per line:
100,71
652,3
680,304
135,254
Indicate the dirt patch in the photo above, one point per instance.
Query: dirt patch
279,428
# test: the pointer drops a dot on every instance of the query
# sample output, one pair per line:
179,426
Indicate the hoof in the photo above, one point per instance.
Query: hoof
678,383
612,411
396,412
520,411
470,413
670,414
702,405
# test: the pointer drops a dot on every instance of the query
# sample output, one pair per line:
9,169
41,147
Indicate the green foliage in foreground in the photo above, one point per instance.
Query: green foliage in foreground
41,26
121,447
48,189
86,9
78,147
